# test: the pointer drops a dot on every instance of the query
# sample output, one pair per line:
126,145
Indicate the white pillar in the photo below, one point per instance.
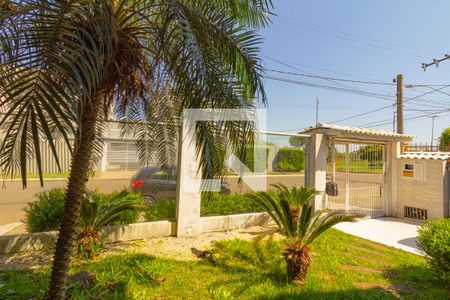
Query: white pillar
391,177
316,168
103,162
188,188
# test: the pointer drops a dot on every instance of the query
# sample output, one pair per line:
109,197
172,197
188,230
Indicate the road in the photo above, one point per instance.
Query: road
13,197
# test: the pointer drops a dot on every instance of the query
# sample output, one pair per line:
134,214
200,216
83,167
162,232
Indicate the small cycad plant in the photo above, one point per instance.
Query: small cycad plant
95,214
292,209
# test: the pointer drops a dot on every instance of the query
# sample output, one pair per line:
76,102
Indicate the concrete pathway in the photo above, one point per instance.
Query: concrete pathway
394,232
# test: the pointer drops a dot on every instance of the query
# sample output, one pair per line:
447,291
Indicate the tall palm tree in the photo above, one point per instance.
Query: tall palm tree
64,63
293,211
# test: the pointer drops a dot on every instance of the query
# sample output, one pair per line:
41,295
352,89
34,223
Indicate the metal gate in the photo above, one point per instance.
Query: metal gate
358,171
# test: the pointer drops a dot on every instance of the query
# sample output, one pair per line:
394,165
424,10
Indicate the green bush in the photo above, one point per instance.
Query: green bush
43,214
289,160
444,139
129,217
160,210
434,240
218,204
215,205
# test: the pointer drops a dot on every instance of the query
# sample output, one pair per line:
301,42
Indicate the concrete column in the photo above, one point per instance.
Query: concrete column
188,187
316,166
103,162
391,177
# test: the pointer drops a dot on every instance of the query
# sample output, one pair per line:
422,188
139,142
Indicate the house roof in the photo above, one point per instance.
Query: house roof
426,155
333,129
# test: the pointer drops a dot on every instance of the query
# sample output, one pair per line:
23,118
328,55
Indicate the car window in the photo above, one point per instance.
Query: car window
164,175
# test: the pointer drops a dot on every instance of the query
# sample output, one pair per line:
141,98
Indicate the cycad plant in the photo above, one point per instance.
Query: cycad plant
292,209
65,63
94,215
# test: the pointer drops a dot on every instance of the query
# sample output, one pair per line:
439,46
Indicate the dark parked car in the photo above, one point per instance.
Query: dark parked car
155,184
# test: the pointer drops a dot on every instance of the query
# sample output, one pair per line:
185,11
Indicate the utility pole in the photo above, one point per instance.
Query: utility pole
399,81
317,111
432,131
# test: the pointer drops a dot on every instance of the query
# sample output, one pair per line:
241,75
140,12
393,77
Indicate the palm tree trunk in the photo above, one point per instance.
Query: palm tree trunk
298,259
74,196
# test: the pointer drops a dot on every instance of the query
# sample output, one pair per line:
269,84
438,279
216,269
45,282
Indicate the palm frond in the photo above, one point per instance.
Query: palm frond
324,220
292,210
49,64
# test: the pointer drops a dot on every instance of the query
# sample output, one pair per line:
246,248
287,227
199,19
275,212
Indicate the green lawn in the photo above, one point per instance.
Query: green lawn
359,166
44,175
344,267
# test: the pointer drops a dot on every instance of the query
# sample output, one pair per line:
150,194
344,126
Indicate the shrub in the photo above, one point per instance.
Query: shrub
434,240
130,216
217,204
444,140
43,214
289,160
160,210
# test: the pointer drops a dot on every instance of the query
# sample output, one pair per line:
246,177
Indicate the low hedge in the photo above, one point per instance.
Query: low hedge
215,205
44,213
434,240
289,160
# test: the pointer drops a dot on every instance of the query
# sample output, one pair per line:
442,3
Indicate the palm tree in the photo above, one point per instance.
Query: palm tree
64,63
292,210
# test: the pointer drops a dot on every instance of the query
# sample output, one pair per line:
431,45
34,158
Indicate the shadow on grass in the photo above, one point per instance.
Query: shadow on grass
233,269
355,294
417,280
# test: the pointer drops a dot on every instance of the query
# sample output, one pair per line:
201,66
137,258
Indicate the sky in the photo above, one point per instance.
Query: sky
355,40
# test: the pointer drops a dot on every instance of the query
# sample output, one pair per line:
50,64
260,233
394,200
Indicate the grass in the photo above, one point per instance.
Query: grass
216,205
344,267
44,175
358,166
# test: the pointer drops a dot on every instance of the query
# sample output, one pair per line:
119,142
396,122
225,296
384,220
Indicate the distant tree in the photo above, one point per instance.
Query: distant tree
444,139
371,153
297,141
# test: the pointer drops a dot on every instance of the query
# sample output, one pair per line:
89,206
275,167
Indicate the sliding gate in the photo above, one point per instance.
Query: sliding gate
358,171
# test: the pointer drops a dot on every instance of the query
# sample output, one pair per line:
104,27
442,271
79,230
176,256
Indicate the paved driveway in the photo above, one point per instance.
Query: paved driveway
394,232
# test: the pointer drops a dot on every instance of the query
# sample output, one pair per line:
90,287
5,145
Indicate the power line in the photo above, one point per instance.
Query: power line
363,114
286,64
385,107
333,88
376,124
362,37
345,37
325,70
349,46
330,78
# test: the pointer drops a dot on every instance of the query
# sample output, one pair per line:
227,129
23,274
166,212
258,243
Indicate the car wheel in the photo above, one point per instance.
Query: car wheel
149,199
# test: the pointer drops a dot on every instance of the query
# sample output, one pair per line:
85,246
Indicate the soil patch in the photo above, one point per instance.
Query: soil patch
361,269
